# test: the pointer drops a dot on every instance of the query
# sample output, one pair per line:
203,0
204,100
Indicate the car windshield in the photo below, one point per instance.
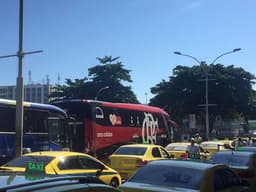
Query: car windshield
23,161
167,176
230,159
131,151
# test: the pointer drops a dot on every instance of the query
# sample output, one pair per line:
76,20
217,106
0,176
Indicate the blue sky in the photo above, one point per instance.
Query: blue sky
144,33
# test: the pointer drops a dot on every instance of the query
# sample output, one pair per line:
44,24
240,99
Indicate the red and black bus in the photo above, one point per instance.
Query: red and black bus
99,127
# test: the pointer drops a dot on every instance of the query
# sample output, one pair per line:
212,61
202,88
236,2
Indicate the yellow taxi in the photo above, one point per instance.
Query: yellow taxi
63,163
214,146
178,150
127,159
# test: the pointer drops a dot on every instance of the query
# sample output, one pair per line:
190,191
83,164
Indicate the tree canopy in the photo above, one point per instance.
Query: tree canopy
105,80
230,91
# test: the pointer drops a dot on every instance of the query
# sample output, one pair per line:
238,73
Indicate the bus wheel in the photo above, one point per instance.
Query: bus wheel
114,182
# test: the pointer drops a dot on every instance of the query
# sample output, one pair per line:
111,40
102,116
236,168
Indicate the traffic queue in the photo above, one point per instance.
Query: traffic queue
208,166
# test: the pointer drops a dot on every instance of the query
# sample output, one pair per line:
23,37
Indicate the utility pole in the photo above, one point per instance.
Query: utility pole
146,96
19,86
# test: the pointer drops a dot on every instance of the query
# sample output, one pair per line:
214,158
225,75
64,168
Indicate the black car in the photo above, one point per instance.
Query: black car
17,182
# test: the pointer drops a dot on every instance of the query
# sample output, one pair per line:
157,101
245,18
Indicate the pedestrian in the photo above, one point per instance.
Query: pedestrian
239,143
198,138
249,142
193,150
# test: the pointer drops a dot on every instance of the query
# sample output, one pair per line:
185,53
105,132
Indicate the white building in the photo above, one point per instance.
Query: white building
37,93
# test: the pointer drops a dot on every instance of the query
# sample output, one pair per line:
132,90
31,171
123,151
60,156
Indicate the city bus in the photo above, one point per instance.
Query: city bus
44,128
98,127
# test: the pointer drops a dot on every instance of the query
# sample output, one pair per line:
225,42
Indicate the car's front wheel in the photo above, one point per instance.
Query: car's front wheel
114,182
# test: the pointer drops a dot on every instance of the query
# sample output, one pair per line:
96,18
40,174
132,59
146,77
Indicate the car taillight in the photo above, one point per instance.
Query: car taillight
141,162
184,155
246,174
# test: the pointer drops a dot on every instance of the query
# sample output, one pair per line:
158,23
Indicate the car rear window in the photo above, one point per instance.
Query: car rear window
130,151
210,145
166,176
176,148
23,161
230,160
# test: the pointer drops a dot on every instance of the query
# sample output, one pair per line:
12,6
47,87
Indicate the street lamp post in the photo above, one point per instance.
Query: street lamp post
19,85
94,130
205,69
146,96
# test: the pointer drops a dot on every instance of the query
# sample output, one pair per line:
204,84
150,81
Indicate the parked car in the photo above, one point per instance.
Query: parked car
127,159
242,162
63,163
20,182
178,150
181,175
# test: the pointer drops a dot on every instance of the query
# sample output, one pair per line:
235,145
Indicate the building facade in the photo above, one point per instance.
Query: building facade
37,93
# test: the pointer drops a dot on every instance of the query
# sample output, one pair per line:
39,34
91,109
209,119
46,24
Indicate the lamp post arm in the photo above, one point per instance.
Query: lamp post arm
234,50
103,88
199,62
220,56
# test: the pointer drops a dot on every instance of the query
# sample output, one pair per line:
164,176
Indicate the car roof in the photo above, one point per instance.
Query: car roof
212,142
141,145
186,163
18,181
54,153
248,147
178,143
237,153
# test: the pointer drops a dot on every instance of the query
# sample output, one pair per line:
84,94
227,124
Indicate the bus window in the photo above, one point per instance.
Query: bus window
7,123
57,134
35,121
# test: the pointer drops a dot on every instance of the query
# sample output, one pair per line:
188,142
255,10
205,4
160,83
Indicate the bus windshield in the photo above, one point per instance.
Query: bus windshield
44,128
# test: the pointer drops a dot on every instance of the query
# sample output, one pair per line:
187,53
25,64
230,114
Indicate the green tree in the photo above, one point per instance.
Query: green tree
72,89
230,89
110,72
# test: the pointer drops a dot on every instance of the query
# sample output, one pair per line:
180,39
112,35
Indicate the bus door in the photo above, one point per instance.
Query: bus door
77,136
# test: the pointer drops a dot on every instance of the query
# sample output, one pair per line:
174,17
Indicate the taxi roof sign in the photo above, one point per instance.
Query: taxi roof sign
239,149
35,168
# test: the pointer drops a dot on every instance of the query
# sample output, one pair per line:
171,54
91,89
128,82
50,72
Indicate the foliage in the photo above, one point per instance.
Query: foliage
229,89
104,81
